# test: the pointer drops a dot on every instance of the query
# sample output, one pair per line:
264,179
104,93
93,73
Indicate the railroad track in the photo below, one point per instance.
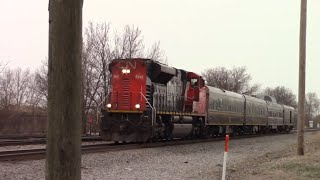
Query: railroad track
31,154
13,141
40,153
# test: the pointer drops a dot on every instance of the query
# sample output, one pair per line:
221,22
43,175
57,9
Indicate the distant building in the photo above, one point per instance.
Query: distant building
310,124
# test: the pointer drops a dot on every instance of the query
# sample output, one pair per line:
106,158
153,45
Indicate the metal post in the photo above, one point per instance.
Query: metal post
302,73
226,149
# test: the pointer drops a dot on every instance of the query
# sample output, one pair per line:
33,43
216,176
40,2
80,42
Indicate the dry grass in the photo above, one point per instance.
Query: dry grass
303,167
286,164
296,167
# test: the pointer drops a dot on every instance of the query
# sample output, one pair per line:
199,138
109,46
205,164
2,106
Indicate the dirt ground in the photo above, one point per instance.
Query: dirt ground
282,165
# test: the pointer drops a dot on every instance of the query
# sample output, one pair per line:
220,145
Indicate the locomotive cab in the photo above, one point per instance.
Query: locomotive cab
195,87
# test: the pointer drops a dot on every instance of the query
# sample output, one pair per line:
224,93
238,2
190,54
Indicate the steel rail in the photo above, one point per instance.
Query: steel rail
32,154
29,141
96,148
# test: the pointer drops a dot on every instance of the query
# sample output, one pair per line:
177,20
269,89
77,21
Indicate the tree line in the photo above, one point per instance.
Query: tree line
24,90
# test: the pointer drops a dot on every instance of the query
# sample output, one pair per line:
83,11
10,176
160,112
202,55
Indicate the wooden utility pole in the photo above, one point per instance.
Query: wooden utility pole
63,160
302,76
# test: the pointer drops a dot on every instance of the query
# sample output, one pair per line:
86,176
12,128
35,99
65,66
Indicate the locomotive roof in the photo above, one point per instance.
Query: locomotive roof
143,59
156,62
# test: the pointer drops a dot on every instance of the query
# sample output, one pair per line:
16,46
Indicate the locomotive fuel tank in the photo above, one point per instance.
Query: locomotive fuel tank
181,130
182,120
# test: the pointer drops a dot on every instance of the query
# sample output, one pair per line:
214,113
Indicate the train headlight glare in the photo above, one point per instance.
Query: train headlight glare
125,71
109,105
137,106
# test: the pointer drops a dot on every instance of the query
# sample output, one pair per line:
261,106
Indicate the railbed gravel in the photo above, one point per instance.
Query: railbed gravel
194,161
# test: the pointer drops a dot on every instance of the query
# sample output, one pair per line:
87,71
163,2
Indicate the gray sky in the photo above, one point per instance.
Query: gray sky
260,34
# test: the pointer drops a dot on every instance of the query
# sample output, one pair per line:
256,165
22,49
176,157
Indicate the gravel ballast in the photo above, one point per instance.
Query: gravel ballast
195,161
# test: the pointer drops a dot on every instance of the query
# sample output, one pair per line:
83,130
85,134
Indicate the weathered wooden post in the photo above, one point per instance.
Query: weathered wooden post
64,90
302,76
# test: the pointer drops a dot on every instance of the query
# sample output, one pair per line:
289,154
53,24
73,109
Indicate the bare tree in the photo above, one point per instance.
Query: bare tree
312,104
34,98
20,87
133,42
156,53
252,89
240,79
7,89
3,66
218,77
236,79
96,58
129,44
282,94
41,82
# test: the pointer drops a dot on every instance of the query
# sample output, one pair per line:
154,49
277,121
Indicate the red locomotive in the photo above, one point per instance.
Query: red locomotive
151,101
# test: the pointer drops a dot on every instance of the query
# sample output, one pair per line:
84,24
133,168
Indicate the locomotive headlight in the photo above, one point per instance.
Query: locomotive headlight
109,105
137,106
125,71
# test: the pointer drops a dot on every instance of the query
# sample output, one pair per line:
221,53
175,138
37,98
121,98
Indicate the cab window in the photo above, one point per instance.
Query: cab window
194,82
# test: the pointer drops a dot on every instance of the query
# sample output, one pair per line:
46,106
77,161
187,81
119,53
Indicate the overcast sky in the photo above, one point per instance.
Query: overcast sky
260,34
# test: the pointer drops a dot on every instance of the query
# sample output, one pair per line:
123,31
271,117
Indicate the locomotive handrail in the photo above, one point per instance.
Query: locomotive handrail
162,103
153,109
167,94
